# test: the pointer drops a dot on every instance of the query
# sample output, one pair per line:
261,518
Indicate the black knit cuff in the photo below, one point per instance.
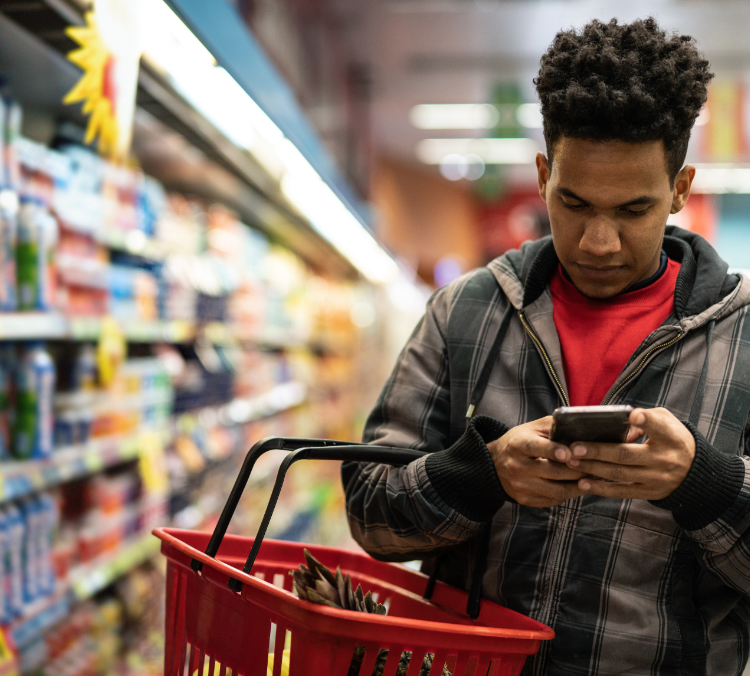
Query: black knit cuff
710,488
464,475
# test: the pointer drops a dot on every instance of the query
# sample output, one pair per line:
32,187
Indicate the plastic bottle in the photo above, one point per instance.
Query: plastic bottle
33,433
84,371
47,236
12,563
31,515
48,525
8,233
12,132
27,253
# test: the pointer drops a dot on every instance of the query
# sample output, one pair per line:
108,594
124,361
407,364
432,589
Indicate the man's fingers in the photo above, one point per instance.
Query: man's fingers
622,454
556,471
634,433
657,423
621,491
614,472
536,447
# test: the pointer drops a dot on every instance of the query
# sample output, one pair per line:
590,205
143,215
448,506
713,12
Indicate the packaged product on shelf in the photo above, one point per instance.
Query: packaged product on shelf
27,253
84,370
12,132
50,516
33,426
8,233
35,247
32,517
13,561
48,237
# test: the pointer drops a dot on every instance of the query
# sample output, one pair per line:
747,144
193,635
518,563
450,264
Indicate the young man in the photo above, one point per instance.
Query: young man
637,554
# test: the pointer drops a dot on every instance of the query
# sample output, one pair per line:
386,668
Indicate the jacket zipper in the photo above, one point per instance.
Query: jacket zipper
645,358
535,338
551,368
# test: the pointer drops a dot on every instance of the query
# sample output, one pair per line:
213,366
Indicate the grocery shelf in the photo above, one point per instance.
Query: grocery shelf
84,582
57,326
89,579
20,478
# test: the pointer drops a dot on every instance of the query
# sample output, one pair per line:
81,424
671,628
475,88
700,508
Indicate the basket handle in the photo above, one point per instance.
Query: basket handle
352,452
258,449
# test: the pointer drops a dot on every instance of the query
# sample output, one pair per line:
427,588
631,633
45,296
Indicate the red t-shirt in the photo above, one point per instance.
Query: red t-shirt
599,336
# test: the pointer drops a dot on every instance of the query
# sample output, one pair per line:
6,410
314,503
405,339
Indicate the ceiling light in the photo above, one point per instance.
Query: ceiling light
490,150
721,179
529,115
454,116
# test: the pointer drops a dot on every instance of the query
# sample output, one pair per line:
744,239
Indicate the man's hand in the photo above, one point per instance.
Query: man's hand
524,458
649,471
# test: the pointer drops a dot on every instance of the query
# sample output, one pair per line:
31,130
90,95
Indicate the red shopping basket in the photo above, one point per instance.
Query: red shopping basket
223,621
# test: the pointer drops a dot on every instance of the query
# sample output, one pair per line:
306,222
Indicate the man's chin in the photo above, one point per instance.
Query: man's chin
599,290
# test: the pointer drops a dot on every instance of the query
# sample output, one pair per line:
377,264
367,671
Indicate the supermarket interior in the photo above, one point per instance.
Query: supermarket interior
219,222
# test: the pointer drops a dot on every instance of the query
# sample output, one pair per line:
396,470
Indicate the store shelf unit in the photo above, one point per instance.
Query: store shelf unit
272,351
83,583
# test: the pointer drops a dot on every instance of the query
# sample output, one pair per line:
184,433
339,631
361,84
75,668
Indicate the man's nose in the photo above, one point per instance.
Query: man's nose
601,236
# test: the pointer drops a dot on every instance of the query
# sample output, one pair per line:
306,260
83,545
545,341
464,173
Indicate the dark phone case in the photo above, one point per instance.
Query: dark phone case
606,424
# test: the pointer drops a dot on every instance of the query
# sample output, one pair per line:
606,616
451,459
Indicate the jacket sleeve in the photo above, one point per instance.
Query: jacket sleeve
712,506
442,499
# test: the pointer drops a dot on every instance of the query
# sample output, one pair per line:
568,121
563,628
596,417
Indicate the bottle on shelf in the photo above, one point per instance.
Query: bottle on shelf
33,433
8,234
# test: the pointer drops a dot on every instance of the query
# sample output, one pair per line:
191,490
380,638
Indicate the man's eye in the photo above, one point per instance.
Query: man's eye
577,206
636,214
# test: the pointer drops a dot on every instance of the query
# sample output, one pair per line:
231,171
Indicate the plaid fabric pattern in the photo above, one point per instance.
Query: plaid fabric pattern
625,588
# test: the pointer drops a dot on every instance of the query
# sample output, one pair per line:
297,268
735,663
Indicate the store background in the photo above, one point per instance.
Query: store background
225,280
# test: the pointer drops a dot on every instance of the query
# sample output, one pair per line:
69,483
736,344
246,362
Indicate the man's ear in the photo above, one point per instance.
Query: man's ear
542,170
681,190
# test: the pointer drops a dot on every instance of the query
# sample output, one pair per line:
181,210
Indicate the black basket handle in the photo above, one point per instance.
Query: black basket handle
303,449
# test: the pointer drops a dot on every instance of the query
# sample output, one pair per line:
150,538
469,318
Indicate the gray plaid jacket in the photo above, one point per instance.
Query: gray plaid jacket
630,587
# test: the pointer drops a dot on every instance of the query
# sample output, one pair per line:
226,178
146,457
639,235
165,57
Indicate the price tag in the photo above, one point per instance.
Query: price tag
152,462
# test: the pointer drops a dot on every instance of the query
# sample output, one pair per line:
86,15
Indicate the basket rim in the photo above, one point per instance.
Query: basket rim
169,536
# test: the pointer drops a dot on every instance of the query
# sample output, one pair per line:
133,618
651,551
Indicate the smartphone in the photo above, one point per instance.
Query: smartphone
606,424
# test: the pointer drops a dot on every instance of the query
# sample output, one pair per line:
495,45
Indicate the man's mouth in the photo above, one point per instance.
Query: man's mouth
599,272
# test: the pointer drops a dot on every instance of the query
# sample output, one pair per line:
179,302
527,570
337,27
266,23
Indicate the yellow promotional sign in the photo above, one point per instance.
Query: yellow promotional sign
111,350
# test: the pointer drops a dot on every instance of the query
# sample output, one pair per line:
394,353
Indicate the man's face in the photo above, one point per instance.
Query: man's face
608,203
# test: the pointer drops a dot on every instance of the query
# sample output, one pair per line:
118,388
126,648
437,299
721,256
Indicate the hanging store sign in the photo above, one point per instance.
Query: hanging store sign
111,44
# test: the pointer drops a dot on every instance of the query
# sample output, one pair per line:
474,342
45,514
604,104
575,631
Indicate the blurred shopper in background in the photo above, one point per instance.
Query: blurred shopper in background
637,554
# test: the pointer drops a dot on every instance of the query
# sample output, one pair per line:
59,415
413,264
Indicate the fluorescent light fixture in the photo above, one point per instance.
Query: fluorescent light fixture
720,179
454,116
475,115
172,48
490,150
529,115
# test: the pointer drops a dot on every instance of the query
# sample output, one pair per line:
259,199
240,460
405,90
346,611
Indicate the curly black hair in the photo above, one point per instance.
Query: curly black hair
628,82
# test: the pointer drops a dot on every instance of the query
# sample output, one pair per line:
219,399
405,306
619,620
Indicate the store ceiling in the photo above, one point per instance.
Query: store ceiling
457,51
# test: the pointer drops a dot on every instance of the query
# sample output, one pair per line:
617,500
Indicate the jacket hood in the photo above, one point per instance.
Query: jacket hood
523,274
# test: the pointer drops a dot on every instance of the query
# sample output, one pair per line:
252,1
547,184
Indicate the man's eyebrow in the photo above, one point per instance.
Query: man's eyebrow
643,199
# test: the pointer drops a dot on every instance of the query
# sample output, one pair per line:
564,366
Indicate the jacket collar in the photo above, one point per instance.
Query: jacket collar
702,282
